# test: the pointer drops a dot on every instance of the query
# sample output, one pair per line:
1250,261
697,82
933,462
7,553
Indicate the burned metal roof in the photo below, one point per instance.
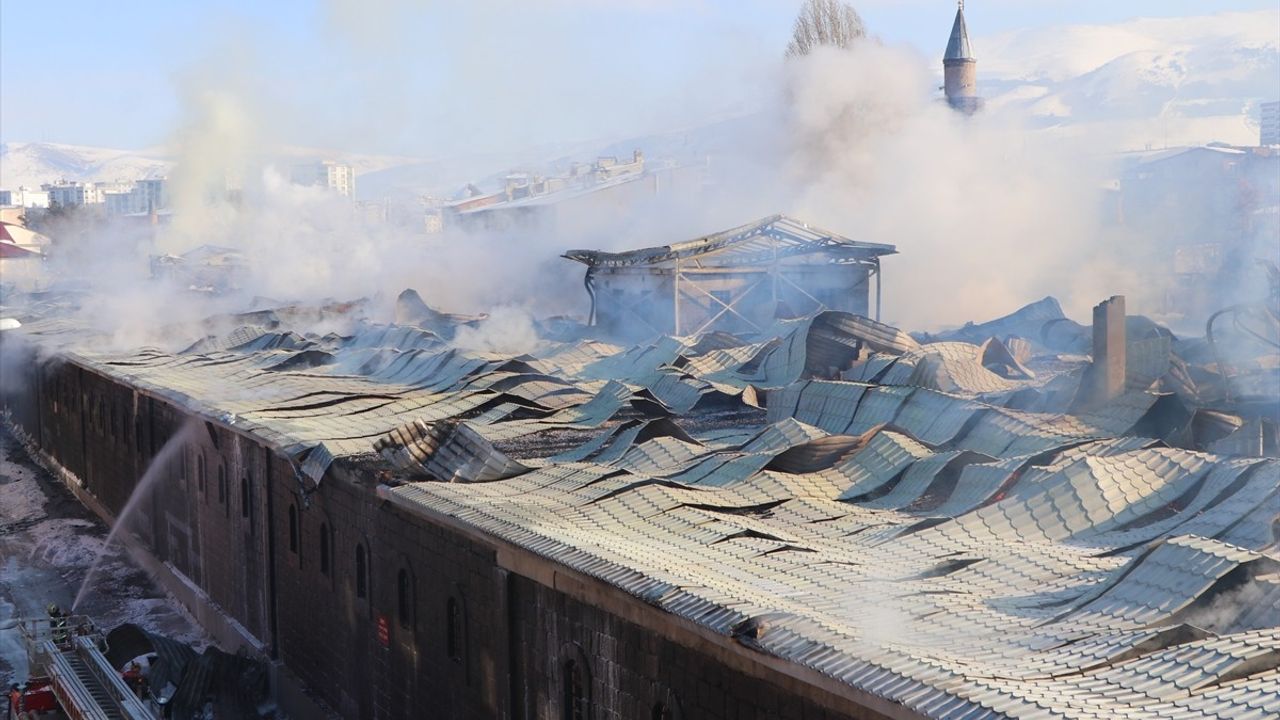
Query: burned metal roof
942,532
777,237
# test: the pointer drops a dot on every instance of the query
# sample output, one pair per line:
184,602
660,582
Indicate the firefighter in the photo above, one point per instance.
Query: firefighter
134,679
58,625
13,701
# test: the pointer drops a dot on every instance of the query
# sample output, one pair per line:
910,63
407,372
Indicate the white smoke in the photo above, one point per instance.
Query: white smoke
508,330
986,215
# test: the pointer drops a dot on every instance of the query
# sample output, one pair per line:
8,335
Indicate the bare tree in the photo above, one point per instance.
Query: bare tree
825,22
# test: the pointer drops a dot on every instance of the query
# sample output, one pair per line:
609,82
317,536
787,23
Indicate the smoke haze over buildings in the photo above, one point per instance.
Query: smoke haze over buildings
987,213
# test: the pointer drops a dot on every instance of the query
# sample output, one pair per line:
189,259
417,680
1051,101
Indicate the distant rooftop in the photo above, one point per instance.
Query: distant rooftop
744,245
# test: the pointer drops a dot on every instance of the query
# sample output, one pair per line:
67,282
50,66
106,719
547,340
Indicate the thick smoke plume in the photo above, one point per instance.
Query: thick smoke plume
986,215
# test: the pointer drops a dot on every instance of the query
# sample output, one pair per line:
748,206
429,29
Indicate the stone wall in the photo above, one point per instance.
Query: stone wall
379,612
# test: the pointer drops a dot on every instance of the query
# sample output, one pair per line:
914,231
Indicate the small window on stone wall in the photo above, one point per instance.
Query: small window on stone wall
404,598
456,632
577,691
324,548
222,490
293,529
362,573
666,706
246,495
200,474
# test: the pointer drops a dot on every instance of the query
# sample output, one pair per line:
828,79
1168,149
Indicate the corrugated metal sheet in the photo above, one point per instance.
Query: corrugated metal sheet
934,548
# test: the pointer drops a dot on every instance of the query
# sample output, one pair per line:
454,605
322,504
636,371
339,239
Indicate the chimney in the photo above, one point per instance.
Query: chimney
1104,380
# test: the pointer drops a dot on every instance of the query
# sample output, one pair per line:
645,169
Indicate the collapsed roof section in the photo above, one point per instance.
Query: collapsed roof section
207,268
927,522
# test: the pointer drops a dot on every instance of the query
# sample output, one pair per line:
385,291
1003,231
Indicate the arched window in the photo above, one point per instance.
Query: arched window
362,573
293,529
246,494
455,627
223,490
404,598
324,548
666,706
577,690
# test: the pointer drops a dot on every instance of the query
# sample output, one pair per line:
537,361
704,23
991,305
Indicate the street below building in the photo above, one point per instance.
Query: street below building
48,543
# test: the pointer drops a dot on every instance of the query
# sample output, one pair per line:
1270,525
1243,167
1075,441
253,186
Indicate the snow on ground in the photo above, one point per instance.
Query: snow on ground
48,543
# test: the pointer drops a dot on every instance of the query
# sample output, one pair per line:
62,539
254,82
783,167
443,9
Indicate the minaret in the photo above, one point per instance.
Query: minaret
960,69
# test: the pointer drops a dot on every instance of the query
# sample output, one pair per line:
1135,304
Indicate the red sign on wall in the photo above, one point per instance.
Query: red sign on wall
384,631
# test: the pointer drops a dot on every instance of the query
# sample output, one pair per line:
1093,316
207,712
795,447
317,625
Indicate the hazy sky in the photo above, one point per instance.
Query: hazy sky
391,76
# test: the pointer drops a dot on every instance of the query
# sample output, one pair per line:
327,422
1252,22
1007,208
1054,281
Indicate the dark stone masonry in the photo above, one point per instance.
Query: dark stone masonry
378,614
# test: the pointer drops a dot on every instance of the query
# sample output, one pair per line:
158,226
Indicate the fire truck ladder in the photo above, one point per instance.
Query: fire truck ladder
85,684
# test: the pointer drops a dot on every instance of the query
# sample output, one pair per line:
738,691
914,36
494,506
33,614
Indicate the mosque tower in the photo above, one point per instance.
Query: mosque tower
960,68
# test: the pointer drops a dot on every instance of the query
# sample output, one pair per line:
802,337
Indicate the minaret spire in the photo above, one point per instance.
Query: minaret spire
960,69
958,46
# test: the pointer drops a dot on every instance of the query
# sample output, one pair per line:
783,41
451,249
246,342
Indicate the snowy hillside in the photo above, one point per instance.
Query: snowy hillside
1132,85
1145,82
31,164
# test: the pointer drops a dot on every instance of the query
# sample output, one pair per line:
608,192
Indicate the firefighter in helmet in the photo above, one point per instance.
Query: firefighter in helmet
134,678
58,624
13,701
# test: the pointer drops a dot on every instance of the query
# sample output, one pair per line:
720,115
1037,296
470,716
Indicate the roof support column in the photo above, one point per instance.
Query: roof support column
877,263
773,272
676,299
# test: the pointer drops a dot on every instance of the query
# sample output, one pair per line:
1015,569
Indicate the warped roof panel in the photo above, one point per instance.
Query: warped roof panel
929,546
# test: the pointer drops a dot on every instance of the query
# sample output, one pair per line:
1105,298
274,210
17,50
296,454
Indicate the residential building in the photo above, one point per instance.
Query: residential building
587,199
120,202
151,194
327,174
24,197
72,194
1210,211
144,196
1269,132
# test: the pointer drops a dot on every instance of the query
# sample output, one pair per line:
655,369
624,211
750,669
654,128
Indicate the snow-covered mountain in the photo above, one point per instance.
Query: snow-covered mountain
1144,82
31,164
1136,84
